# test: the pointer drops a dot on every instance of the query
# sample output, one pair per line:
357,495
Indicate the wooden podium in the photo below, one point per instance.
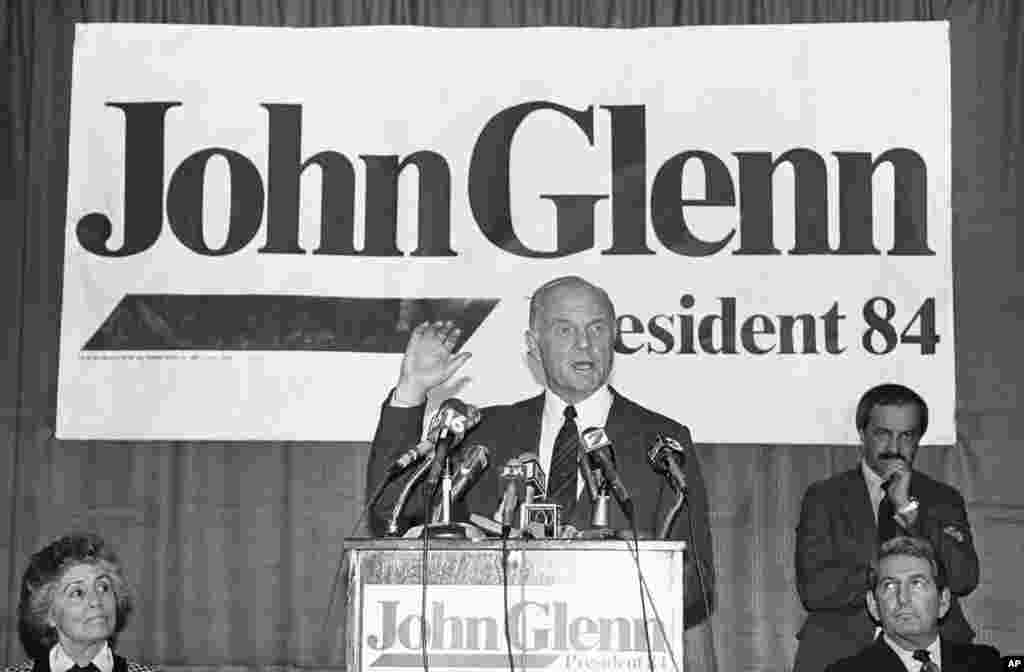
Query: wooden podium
566,604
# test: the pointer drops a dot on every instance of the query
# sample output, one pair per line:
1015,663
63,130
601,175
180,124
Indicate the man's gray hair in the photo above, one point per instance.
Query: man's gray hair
915,547
537,299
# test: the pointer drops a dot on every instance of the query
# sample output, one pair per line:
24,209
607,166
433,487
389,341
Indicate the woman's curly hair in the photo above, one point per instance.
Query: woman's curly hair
43,575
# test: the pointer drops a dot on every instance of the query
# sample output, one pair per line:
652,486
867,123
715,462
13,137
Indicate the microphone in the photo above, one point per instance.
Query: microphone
533,477
477,459
598,447
538,518
393,529
593,480
421,449
456,417
513,480
668,458
410,457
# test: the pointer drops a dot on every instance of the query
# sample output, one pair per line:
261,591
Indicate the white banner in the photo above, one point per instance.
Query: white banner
258,216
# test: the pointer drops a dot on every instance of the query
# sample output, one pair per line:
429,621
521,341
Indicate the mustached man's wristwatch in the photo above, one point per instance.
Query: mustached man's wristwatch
907,514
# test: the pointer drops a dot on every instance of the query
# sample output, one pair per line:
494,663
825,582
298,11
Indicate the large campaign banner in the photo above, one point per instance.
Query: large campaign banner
257,218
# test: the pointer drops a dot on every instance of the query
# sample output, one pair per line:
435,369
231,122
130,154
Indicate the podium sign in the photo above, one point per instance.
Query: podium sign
569,605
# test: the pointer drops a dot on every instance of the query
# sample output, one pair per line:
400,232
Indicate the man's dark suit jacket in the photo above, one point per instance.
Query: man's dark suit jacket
879,657
509,430
836,540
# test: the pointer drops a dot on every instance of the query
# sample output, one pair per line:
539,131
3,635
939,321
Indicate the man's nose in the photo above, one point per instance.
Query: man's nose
92,596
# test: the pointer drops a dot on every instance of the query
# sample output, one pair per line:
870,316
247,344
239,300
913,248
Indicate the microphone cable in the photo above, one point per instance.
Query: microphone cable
341,557
700,574
645,590
428,497
425,567
505,531
667,526
670,517
642,583
370,503
691,546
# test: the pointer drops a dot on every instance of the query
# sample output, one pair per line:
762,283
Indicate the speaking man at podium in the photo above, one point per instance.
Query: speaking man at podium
571,334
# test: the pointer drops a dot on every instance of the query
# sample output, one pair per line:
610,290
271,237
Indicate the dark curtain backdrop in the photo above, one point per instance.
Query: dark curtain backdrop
233,546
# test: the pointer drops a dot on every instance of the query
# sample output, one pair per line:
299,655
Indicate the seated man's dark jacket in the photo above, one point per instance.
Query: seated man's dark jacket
836,540
509,430
879,657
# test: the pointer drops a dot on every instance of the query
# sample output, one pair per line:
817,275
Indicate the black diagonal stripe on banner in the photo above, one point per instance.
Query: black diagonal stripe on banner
276,322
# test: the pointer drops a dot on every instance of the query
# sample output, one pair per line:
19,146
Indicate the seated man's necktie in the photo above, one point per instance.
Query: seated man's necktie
926,661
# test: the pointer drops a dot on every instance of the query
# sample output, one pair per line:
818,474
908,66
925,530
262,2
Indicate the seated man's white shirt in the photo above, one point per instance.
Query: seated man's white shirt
912,665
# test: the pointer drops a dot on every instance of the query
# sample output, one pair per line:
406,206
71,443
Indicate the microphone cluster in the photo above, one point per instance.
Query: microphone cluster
523,484
522,506
454,418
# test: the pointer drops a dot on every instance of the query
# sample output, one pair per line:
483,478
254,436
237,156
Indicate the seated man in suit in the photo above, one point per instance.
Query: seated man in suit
843,520
571,334
908,596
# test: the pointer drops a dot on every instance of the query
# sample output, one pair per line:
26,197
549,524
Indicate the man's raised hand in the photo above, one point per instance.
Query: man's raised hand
428,361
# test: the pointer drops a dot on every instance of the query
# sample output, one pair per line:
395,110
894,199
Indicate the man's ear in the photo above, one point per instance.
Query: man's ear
873,607
531,344
945,600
